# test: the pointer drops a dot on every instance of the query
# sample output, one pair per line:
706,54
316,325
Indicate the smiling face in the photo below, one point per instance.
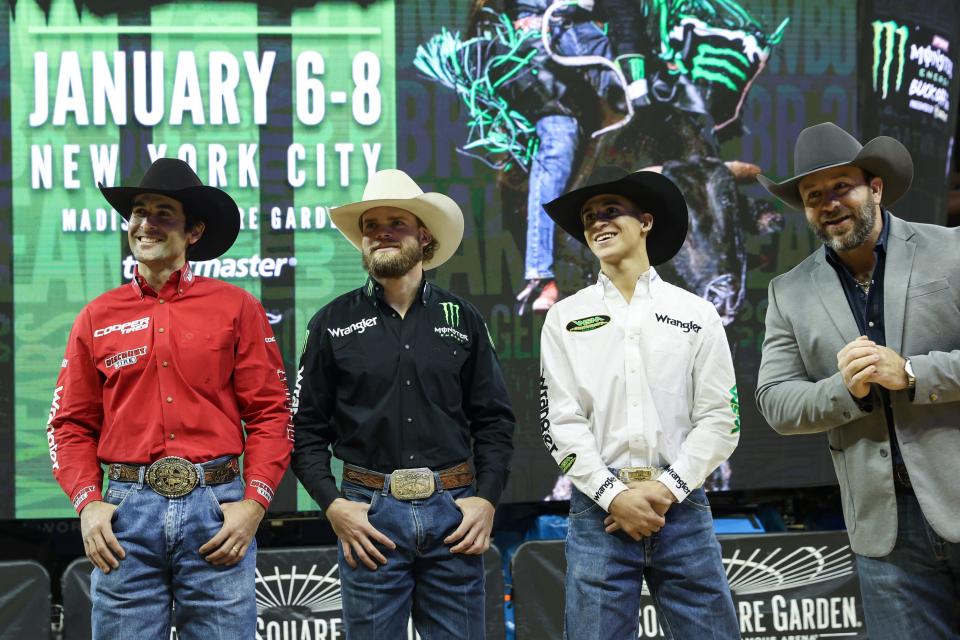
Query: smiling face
842,207
393,241
157,234
614,227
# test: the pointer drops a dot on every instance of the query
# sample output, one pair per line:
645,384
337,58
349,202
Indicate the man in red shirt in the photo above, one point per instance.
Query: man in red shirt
166,381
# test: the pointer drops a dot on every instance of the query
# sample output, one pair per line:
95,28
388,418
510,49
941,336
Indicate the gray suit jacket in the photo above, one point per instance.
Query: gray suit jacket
800,390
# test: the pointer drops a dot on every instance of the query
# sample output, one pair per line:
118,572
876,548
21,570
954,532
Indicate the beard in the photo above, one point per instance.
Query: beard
864,219
393,265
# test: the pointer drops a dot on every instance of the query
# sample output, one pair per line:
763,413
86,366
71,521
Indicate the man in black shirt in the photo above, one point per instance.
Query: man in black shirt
400,378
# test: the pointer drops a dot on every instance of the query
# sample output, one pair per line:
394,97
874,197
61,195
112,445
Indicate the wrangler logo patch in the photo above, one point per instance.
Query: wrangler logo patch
587,324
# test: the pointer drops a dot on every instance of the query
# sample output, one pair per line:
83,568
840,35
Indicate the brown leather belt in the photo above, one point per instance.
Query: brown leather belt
901,479
410,484
174,477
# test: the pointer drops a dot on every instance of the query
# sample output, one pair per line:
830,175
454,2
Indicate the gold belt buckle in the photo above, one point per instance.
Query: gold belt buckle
412,484
636,474
172,477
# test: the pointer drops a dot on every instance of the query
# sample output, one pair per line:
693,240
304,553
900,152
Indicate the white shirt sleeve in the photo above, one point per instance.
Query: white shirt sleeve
714,413
564,427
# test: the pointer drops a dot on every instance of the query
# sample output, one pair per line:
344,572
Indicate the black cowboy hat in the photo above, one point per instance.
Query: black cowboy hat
650,191
175,179
825,145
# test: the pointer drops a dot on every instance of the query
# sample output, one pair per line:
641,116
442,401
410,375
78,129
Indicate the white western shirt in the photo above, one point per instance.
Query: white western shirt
641,384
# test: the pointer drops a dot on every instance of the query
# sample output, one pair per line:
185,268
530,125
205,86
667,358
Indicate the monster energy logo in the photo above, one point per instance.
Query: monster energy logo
735,407
721,66
451,313
886,36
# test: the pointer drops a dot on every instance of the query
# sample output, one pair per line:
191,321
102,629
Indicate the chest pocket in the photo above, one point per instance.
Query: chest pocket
670,360
207,356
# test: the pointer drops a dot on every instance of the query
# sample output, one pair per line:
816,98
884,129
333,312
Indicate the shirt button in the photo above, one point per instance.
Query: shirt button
870,324
883,453
409,419
408,383
406,346
179,290
934,397
160,330
172,436
169,399
165,363
160,301
412,456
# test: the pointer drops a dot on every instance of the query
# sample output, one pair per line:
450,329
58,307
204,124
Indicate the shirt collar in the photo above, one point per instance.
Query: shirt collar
373,290
646,285
180,280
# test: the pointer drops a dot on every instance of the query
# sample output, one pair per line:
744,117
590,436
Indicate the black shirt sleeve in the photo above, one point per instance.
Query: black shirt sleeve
313,432
489,414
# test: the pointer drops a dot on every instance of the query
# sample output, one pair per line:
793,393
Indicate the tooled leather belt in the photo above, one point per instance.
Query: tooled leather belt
174,477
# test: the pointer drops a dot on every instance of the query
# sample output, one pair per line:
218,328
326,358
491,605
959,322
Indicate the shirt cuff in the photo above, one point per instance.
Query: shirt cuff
677,485
260,491
85,496
489,487
607,491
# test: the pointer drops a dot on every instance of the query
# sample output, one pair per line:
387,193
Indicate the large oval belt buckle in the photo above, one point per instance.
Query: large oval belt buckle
172,477
412,484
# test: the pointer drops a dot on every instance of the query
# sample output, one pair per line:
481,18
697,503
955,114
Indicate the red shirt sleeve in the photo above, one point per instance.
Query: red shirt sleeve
76,417
260,386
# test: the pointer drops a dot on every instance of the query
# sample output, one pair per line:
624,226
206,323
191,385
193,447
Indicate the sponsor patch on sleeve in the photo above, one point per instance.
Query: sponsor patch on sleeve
587,324
567,462
263,489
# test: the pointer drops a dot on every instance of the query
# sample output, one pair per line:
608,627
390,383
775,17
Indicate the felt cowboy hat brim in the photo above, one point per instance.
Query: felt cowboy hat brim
175,179
826,146
649,191
394,188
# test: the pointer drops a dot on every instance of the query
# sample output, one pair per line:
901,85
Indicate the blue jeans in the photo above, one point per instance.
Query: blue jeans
161,537
914,591
681,563
559,137
443,590
549,173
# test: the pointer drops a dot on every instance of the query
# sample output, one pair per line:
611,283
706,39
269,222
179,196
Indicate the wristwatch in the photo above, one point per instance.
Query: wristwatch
911,379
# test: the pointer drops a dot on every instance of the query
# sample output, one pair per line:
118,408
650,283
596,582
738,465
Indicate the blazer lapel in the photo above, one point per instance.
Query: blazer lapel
896,277
827,285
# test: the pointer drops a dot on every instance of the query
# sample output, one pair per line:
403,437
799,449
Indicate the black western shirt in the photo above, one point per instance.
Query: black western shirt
388,393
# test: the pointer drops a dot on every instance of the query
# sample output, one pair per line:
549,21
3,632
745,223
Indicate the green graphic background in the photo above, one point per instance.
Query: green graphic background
56,273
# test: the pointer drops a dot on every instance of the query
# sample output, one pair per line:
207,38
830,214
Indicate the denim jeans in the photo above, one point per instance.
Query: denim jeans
559,138
443,590
681,564
914,591
161,537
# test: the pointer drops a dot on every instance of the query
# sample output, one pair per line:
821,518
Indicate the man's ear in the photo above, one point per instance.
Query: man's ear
876,187
425,236
646,222
194,235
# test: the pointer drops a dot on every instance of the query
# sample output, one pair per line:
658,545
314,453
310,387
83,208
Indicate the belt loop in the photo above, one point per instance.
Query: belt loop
201,476
386,484
438,485
141,476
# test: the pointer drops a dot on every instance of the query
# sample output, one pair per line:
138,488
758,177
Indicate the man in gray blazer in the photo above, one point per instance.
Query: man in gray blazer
863,343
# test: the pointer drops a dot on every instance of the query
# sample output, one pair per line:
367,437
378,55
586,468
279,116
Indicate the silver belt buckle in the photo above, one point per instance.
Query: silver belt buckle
172,477
637,474
412,484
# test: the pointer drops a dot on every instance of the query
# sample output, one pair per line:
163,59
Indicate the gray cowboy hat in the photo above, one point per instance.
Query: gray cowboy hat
175,179
650,191
825,145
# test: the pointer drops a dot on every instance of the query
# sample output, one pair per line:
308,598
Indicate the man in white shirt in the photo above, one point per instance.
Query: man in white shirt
638,405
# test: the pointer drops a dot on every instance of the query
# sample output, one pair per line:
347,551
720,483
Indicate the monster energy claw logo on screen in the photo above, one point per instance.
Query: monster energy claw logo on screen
451,313
889,45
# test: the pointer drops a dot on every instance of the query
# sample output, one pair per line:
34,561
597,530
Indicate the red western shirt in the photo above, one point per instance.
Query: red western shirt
183,372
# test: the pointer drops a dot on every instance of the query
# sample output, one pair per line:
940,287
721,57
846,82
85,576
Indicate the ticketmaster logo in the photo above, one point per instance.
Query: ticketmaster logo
359,327
687,326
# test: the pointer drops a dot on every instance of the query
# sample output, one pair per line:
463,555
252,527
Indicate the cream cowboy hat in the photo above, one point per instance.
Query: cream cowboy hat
393,188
